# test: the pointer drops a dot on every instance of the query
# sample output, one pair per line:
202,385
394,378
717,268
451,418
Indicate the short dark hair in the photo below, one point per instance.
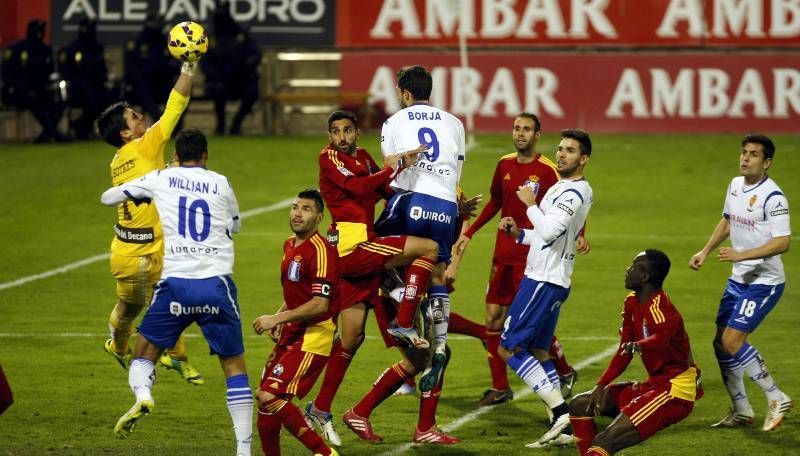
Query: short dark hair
582,137
315,195
534,118
190,145
659,266
766,143
417,80
339,115
111,122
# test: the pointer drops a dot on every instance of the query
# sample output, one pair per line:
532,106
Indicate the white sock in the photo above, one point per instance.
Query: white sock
732,376
756,369
240,406
141,376
530,370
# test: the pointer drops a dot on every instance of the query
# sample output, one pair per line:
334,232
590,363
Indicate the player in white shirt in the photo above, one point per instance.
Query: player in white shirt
756,218
426,203
199,213
532,317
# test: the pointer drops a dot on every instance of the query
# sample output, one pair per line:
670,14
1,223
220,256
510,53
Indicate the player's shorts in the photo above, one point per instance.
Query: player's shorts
211,303
533,315
504,281
291,372
650,407
425,216
136,276
744,307
360,271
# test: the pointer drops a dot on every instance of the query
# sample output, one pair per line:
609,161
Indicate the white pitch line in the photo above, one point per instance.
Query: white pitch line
525,392
104,256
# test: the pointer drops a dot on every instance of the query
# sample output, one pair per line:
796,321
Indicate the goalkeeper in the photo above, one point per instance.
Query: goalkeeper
137,250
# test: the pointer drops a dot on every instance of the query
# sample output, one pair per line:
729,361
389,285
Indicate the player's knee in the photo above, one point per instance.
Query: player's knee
351,342
430,249
504,353
263,397
412,367
579,404
731,346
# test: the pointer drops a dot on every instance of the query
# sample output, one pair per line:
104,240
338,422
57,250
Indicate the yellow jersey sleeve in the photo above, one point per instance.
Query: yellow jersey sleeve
159,133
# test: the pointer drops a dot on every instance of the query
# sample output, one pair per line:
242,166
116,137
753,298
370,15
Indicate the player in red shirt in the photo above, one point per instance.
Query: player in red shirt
351,183
525,167
303,328
652,327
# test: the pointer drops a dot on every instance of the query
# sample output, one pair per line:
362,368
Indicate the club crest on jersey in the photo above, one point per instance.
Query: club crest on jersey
277,370
294,269
344,171
751,203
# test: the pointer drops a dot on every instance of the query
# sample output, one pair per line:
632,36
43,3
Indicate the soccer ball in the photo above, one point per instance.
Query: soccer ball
187,41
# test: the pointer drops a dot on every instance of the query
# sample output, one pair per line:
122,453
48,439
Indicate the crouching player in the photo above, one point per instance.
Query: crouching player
303,328
652,327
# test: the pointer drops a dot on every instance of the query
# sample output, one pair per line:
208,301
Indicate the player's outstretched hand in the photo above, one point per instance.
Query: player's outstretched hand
188,68
582,245
595,397
468,207
402,160
508,225
527,195
697,260
264,323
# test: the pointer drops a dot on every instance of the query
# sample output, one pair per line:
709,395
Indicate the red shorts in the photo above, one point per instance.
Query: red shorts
504,281
650,407
291,372
360,271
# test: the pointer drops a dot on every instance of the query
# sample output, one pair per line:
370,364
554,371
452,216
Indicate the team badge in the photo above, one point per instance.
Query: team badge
277,371
294,269
533,178
751,203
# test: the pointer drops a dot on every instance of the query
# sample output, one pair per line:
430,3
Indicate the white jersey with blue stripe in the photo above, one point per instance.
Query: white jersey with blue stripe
557,221
198,212
438,170
756,214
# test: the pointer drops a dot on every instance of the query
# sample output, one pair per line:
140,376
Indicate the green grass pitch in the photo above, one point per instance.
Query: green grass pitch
650,191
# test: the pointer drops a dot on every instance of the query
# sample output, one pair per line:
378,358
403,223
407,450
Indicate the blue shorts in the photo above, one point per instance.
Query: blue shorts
533,315
211,303
425,216
743,307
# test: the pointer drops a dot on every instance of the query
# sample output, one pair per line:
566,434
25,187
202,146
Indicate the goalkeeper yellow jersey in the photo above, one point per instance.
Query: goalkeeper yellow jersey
138,230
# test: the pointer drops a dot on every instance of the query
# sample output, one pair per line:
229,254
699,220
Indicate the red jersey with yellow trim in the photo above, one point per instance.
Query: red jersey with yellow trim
350,186
665,350
508,176
307,270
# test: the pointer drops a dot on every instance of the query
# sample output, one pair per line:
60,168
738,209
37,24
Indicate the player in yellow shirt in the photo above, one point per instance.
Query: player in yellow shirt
137,250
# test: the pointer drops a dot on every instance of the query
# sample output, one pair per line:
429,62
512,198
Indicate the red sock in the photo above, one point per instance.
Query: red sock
584,430
416,283
496,364
385,386
558,358
292,419
597,451
334,375
269,431
411,382
428,402
460,325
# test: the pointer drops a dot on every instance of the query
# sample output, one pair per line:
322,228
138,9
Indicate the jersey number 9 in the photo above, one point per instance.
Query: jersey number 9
428,136
188,216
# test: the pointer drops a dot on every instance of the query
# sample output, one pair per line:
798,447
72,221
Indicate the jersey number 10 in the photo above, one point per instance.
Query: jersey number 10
188,216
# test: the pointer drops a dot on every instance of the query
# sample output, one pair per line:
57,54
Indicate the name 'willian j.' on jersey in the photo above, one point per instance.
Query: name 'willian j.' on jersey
557,221
438,170
756,214
198,211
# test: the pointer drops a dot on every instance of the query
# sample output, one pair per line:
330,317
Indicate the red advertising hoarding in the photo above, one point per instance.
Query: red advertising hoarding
503,23
602,92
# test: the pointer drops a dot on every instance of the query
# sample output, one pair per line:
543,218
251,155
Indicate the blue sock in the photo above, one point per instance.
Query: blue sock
552,374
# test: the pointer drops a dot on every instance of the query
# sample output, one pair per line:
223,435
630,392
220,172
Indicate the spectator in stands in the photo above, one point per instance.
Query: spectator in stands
27,72
83,66
149,69
231,68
